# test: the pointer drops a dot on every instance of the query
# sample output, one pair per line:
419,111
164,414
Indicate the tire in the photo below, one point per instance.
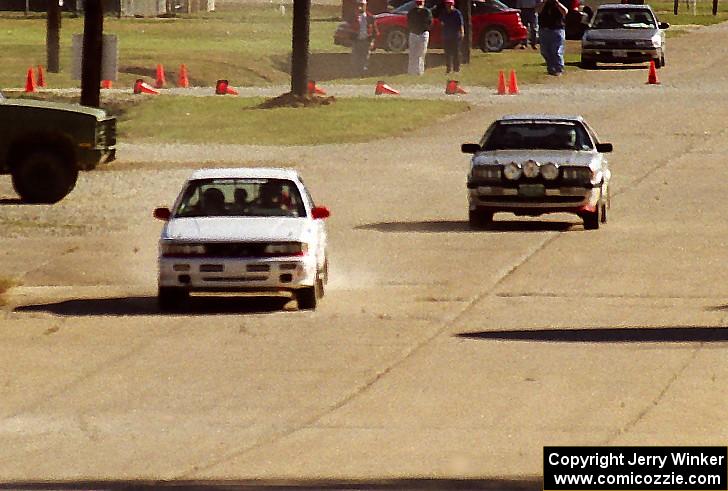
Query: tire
493,40
479,219
171,298
658,62
587,64
662,60
592,220
604,213
42,176
306,298
396,40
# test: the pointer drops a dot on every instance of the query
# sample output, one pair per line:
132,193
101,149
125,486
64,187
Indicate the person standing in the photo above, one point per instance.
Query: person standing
419,23
528,17
364,32
453,31
552,35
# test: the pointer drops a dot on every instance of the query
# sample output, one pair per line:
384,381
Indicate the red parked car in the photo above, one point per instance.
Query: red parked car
495,27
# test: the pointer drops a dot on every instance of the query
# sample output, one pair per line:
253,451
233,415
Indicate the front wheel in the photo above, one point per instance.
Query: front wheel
479,219
43,176
172,298
658,62
493,40
396,40
307,298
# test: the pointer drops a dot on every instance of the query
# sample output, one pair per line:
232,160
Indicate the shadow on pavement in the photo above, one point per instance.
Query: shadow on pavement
525,484
439,226
681,334
141,306
11,201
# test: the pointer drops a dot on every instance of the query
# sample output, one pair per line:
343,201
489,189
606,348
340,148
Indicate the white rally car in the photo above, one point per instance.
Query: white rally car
243,230
536,164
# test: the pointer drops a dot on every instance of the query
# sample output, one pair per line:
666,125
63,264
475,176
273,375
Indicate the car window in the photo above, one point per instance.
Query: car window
488,7
533,135
623,19
241,197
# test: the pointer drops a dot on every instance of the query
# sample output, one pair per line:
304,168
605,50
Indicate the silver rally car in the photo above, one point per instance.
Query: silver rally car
624,34
535,164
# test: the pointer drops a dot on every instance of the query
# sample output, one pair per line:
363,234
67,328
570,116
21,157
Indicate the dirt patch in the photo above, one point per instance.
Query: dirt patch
289,99
5,285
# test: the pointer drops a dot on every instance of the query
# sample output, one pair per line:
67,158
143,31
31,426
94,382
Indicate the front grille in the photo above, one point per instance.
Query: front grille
106,133
235,249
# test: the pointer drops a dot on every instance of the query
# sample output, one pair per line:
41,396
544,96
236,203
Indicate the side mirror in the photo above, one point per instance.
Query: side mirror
470,148
162,213
663,25
604,147
320,212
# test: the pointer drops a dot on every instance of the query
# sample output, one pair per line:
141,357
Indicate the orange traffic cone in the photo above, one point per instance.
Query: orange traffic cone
223,87
453,87
183,80
383,88
501,83
513,83
140,87
41,77
652,77
314,89
30,81
106,84
160,82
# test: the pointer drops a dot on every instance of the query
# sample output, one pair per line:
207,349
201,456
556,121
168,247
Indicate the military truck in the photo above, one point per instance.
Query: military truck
44,144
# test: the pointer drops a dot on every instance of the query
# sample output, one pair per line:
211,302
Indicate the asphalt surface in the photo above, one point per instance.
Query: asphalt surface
440,357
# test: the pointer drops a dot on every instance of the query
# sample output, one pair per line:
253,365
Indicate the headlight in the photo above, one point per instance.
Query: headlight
644,44
286,249
487,172
550,171
512,171
581,175
587,43
531,169
172,249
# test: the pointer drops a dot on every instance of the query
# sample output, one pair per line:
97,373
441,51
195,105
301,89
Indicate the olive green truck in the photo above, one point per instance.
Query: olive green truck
43,145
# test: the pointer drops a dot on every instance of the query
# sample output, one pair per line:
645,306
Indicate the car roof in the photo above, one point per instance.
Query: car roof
245,173
540,117
626,6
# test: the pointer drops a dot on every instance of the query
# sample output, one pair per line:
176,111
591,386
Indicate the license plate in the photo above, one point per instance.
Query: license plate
531,190
620,53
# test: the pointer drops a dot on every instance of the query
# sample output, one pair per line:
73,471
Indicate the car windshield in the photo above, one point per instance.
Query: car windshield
478,6
550,135
241,197
623,19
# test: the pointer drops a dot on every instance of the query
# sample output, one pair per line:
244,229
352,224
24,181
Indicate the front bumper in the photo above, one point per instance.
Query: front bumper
533,200
610,55
215,274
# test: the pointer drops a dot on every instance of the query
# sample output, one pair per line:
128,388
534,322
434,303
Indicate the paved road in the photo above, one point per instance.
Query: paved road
438,352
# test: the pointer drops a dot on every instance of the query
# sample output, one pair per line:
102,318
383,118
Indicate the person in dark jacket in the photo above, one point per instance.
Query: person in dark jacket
453,31
364,32
419,23
552,34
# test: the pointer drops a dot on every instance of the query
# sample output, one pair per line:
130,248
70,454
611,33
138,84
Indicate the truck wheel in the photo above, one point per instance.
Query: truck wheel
479,219
43,177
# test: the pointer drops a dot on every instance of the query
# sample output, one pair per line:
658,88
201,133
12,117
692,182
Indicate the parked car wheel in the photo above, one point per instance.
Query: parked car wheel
493,40
662,60
396,40
587,64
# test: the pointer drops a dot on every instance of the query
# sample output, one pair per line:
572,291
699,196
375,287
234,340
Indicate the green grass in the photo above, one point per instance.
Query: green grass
239,121
250,45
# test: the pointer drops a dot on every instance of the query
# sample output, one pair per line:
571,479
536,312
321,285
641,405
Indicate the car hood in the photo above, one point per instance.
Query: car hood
238,229
620,34
561,157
